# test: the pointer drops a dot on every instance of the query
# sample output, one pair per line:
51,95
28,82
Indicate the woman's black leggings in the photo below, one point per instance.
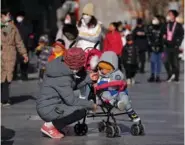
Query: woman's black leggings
73,117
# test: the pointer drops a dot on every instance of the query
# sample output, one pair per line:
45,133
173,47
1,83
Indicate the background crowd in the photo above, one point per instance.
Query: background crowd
159,42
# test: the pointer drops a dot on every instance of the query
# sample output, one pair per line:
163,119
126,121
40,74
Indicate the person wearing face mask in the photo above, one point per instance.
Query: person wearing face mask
155,41
172,36
58,104
140,39
25,30
68,30
11,42
89,28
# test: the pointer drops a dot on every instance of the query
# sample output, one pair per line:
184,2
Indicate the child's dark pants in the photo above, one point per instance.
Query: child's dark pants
130,70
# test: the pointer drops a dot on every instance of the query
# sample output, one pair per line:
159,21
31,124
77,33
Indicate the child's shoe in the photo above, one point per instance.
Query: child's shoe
128,81
133,81
51,131
121,105
133,116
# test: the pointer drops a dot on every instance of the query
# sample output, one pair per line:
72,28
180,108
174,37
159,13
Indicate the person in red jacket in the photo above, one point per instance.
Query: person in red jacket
112,41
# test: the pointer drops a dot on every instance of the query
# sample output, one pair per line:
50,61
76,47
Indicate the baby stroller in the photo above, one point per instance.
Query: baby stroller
110,128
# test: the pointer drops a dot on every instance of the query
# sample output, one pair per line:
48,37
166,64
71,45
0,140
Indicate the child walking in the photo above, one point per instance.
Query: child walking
57,50
130,59
43,51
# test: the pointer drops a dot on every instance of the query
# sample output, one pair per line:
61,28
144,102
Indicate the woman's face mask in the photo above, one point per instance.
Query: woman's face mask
19,19
155,21
86,18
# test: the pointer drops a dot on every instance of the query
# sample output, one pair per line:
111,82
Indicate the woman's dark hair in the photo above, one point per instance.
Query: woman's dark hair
93,22
116,25
5,11
174,12
73,18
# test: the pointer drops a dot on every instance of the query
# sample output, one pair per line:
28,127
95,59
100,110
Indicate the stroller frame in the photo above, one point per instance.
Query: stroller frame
111,129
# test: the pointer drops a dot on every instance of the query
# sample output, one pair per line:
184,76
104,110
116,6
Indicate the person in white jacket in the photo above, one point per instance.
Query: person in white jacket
68,31
90,29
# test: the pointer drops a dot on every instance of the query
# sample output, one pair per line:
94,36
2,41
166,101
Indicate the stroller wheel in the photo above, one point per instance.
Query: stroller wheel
135,130
110,131
81,129
142,130
117,131
101,126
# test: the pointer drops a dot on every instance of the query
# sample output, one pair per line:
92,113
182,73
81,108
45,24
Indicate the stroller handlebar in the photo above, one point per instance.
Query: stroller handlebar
121,84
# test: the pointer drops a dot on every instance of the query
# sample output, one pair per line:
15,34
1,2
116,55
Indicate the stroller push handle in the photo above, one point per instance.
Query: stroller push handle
122,85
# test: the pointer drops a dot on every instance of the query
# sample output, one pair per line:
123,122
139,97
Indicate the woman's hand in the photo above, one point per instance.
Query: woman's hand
94,76
25,58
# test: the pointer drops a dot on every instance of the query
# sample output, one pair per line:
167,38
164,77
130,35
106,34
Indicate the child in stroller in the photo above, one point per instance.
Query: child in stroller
111,91
109,72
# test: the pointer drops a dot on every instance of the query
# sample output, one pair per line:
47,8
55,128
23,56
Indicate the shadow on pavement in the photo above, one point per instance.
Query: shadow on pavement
19,99
6,136
7,142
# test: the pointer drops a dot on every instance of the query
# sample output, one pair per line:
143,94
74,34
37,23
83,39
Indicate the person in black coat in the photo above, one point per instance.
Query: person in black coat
130,59
173,35
25,30
140,39
155,41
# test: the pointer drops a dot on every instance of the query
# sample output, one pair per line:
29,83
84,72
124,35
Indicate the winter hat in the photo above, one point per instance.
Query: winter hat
44,38
59,43
75,58
21,13
129,37
89,9
105,65
174,12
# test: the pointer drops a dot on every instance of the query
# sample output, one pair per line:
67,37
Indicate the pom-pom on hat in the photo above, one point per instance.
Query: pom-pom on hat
89,9
75,58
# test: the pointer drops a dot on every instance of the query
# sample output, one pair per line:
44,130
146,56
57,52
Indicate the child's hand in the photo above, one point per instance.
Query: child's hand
94,76
95,85
94,108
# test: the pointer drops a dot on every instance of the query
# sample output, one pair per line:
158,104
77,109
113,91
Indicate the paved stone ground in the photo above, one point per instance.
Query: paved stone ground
161,107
